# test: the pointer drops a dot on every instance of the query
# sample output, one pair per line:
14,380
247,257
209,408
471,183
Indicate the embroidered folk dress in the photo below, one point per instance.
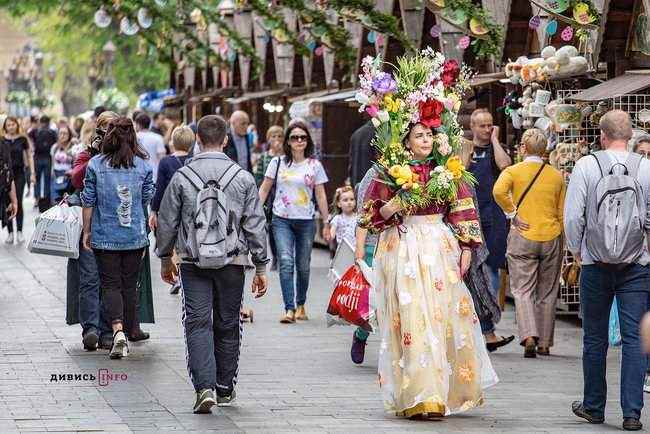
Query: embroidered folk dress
432,356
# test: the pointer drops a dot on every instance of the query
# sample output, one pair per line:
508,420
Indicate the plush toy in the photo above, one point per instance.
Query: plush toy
561,63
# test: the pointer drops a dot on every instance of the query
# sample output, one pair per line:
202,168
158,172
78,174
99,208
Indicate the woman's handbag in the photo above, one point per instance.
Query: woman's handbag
268,205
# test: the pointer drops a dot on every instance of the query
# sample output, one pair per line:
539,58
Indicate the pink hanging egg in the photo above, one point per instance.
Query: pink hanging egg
535,22
380,39
463,43
319,50
435,31
567,34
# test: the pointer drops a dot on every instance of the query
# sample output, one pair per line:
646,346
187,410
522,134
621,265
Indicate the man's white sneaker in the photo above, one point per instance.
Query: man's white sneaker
204,401
226,401
20,238
10,239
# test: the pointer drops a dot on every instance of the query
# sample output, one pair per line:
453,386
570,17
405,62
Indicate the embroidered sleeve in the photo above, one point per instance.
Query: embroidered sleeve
463,218
377,195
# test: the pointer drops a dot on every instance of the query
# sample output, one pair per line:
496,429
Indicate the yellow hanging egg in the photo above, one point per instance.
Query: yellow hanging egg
439,3
477,27
280,36
581,14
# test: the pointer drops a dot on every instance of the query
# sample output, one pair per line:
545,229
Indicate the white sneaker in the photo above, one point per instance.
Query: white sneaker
646,384
10,239
20,238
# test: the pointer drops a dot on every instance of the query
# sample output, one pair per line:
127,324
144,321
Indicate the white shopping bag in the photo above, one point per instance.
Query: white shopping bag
57,232
342,261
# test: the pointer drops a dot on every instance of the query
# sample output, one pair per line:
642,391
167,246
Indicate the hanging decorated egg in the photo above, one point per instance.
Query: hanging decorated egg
372,37
581,14
463,43
477,27
280,35
311,45
128,27
435,31
535,22
102,18
551,28
557,6
380,39
319,51
567,34
455,16
439,3
144,18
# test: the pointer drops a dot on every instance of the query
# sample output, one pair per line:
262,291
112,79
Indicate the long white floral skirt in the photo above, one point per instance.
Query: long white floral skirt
432,357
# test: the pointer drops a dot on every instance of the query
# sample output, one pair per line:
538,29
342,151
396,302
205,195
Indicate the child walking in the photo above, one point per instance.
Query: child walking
344,222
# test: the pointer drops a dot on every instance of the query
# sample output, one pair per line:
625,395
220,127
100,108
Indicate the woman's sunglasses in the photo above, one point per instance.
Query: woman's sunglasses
298,138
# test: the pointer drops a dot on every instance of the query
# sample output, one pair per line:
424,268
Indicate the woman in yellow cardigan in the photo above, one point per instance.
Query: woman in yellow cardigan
531,194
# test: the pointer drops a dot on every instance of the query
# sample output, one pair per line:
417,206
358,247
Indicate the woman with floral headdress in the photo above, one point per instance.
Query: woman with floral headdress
432,359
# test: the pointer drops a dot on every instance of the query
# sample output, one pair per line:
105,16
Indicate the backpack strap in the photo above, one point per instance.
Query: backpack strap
603,161
194,178
228,175
633,164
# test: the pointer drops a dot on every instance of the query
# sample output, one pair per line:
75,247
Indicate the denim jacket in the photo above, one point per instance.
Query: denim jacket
119,198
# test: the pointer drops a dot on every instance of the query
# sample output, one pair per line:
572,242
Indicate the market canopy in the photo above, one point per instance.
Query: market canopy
630,82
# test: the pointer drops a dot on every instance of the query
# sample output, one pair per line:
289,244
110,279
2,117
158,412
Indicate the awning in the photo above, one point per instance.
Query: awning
485,79
630,82
300,104
255,95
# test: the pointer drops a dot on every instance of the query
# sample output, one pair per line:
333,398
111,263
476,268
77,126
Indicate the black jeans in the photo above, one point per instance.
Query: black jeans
212,300
118,274
19,180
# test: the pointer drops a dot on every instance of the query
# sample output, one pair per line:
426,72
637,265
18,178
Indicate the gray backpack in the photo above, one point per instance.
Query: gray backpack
616,210
212,239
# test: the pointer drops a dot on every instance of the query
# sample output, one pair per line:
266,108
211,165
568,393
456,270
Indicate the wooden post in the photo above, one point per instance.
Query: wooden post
413,20
261,41
243,20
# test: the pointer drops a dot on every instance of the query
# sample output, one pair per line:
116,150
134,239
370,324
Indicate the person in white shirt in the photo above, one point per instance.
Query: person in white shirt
153,143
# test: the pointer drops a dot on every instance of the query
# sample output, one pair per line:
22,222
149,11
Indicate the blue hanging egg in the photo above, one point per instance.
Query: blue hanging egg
311,45
372,37
551,28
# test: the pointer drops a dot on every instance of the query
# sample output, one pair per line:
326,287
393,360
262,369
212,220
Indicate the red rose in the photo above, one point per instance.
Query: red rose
430,112
450,72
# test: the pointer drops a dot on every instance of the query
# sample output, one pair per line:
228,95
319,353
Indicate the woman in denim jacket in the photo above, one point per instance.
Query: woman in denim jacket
117,190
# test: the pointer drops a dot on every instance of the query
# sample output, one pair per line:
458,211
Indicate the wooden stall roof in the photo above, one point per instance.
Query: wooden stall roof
255,95
485,79
630,82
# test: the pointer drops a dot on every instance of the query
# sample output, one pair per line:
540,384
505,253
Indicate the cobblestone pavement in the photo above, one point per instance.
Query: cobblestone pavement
292,377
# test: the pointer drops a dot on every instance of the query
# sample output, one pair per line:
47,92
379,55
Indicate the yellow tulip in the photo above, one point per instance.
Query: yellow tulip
400,181
394,171
405,172
455,166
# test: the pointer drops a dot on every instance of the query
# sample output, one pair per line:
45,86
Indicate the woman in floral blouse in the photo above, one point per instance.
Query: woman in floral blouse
432,359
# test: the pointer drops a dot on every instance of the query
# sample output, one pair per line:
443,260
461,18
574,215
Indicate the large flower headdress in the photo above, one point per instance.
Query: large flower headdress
424,88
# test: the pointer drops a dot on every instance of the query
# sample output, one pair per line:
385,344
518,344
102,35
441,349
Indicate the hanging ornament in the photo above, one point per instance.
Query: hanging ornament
439,3
477,27
567,34
535,22
144,18
232,55
311,45
280,36
557,6
463,43
435,31
380,39
372,37
161,3
319,51
581,14
551,28
102,18
128,27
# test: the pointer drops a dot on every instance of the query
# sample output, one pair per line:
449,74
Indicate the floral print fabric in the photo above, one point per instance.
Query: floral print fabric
294,197
432,356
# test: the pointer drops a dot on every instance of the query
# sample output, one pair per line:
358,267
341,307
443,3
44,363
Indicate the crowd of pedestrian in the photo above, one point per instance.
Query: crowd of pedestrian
214,198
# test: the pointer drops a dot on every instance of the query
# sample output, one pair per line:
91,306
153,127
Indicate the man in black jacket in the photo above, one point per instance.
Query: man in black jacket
239,146
361,152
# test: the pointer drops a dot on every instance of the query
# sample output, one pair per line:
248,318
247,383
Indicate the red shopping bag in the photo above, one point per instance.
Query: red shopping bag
350,300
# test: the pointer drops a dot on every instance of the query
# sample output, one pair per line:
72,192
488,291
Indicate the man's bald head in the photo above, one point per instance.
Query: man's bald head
239,121
615,126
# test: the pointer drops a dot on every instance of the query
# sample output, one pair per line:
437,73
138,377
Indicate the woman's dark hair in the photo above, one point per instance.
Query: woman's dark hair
120,145
286,147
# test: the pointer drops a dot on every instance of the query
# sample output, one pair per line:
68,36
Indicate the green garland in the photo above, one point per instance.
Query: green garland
482,47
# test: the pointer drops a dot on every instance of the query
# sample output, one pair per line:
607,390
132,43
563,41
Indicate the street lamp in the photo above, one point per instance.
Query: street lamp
109,55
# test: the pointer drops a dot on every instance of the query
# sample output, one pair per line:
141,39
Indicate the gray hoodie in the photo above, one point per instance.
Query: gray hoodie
177,209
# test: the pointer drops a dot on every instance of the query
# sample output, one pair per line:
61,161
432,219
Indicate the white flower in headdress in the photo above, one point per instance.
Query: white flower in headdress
410,270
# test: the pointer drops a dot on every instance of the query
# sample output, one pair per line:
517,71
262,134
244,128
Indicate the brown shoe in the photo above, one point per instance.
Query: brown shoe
289,317
543,351
301,315
529,349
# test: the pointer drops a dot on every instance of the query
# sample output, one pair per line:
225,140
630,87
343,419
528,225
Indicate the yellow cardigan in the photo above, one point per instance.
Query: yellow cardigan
543,206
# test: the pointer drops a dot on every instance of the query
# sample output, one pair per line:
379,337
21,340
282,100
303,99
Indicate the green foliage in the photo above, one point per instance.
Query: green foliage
482,47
